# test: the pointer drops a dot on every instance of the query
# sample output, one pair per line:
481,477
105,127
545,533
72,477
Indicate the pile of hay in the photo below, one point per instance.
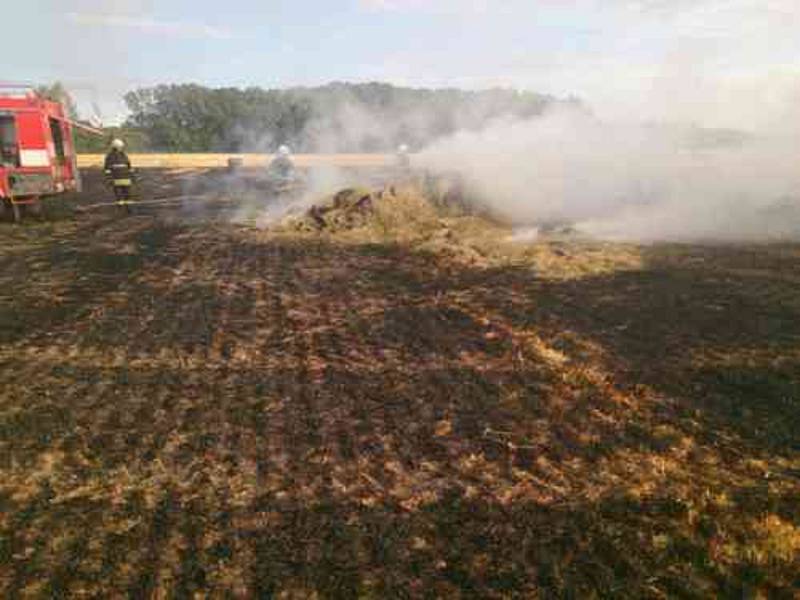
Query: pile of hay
439,221
404,214
349,208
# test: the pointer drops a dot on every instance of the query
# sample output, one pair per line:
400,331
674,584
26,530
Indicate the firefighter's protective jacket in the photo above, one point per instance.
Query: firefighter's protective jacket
118,166
281,167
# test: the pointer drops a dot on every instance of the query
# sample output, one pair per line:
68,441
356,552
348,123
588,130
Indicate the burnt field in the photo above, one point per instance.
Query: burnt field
203,408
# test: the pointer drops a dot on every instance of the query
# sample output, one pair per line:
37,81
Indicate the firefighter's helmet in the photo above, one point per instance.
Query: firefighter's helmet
118,144
284,151
402,149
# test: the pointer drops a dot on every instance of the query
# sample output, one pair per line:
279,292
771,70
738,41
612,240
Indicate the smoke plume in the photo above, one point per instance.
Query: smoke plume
632,179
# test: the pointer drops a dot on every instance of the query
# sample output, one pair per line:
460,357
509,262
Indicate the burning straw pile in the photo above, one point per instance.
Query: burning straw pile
410,214
438,217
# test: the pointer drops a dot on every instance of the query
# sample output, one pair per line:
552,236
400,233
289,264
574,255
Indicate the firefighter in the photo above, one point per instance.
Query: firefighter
119,172
403,159
281,169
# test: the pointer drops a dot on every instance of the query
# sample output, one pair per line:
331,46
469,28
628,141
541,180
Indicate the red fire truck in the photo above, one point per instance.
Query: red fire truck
37,151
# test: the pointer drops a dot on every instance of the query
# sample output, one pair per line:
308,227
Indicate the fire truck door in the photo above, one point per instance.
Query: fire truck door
58,148
32,141
9,148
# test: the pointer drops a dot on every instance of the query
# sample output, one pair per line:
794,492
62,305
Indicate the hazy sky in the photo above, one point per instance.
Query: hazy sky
685,58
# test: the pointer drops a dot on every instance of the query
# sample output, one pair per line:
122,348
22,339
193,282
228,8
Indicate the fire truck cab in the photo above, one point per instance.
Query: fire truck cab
37,151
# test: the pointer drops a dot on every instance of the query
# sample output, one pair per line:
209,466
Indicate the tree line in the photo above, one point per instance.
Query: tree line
338,117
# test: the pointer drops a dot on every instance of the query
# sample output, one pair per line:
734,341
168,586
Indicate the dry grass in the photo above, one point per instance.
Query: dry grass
213,410
403,216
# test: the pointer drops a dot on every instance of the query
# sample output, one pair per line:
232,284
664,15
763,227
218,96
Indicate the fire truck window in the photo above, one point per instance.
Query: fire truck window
9,152
58,139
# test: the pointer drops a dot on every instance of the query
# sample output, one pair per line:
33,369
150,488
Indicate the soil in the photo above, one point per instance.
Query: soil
195,407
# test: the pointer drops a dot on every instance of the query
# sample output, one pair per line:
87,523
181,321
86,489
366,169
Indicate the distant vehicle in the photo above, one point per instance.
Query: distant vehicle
37,150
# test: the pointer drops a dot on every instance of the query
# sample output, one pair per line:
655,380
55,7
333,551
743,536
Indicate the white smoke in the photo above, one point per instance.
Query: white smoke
629,179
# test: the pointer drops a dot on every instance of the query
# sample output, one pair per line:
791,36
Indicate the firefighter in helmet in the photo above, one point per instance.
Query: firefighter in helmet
119,172
281,170
403,159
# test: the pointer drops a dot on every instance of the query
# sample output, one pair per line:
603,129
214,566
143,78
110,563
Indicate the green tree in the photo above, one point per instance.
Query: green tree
58,93
88,143
338,117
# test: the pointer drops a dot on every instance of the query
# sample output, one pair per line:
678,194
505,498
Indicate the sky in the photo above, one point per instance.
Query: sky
684,58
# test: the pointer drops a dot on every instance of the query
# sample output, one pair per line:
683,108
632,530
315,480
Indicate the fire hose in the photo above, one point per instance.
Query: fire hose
277,188
154,202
